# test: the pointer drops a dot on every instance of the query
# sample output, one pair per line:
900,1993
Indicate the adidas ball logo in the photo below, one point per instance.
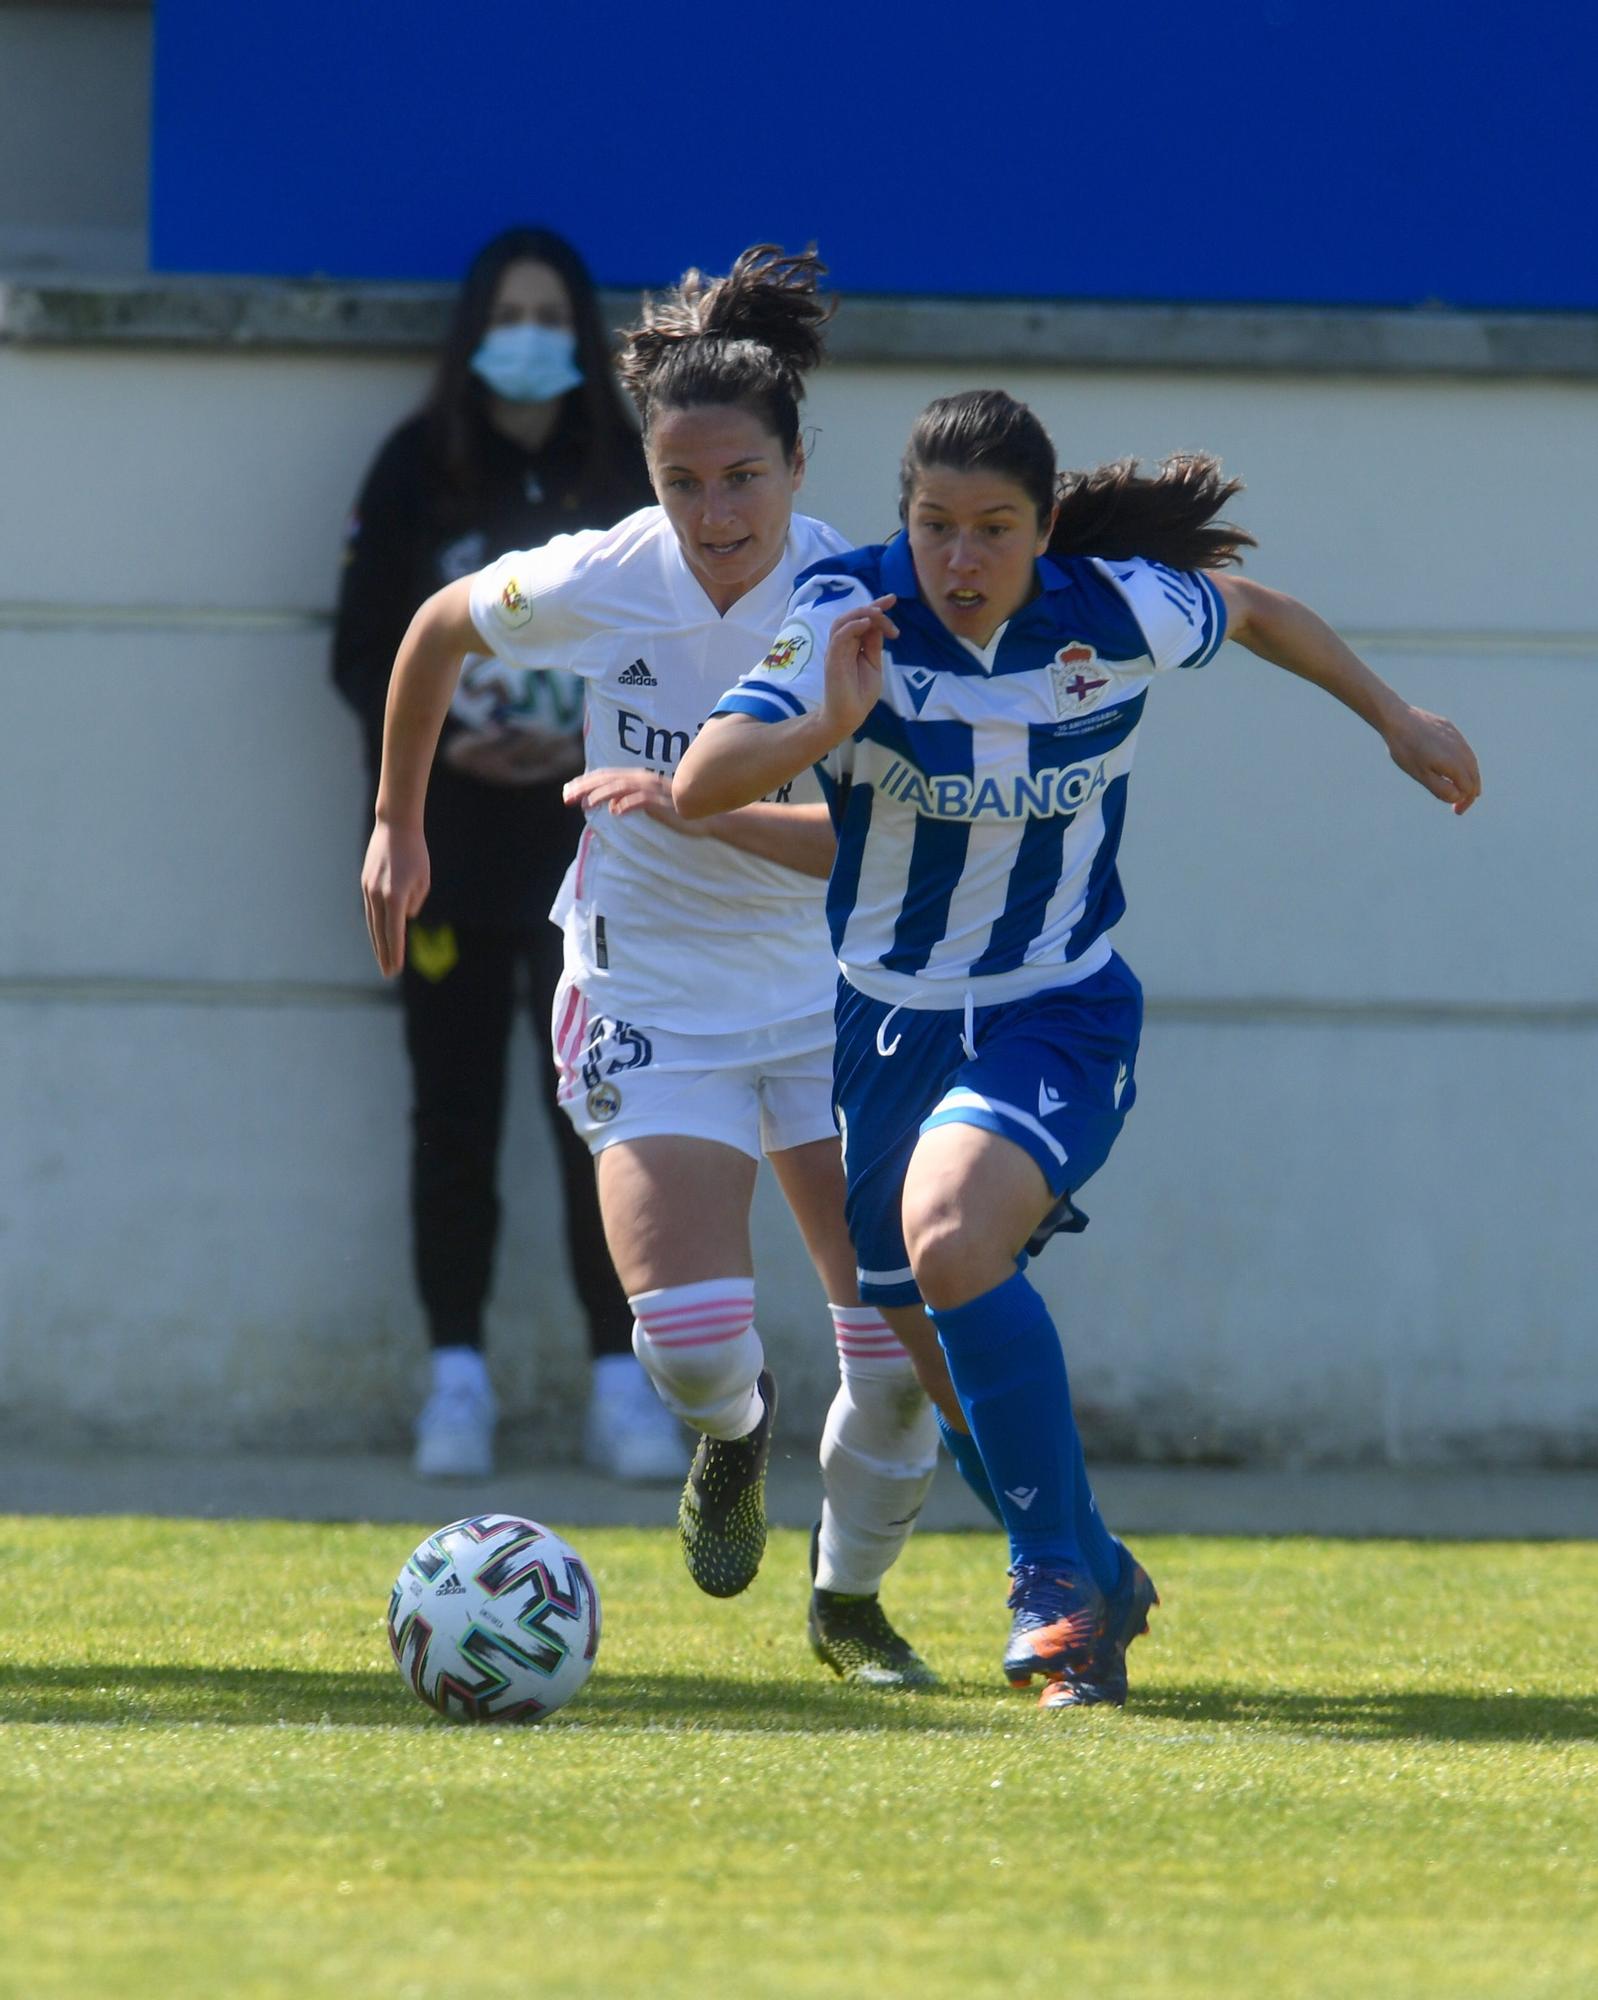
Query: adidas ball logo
636,676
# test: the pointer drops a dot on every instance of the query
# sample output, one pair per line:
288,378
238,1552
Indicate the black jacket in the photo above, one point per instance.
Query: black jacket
497,851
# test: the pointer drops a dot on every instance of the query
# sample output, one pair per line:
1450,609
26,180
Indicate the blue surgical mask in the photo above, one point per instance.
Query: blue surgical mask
528,364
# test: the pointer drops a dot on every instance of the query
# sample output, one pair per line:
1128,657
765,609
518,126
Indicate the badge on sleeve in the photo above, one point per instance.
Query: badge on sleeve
514,609
790,652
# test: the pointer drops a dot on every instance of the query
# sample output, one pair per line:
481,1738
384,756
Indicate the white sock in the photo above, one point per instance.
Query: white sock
699,1346
878,1454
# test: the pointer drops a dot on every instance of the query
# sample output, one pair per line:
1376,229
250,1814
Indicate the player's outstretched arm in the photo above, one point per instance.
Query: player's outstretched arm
736,759
797,837
394,880
1288,634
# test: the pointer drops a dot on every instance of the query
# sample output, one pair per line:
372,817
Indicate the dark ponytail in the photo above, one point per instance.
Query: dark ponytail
1167,516
747,339
1114,511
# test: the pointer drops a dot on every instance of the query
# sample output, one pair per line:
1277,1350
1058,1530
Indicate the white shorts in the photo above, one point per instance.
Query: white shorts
761,1092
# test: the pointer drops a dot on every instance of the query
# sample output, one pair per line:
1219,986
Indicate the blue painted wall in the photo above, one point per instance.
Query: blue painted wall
1351,153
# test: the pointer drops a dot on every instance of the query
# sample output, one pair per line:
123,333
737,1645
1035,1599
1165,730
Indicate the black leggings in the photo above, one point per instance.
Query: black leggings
457,1033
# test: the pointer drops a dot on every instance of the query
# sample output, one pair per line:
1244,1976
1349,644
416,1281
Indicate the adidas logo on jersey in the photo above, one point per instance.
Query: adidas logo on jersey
636,676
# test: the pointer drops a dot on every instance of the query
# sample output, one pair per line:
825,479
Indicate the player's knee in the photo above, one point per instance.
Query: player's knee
945,1253
699,1347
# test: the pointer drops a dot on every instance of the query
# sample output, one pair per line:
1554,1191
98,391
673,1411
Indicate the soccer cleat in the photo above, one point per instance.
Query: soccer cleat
852,1636
1059,1620
721,1518
1101,1679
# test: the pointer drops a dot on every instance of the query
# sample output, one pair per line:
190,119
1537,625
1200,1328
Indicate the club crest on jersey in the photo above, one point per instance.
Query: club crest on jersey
513,606
1075,679
790,650
604,1101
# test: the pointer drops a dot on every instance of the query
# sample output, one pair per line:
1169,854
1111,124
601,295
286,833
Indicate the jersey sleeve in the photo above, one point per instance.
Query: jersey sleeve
791,679
1178,611
534,607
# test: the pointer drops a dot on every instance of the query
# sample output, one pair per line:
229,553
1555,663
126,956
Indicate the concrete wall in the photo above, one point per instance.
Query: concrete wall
1345,1221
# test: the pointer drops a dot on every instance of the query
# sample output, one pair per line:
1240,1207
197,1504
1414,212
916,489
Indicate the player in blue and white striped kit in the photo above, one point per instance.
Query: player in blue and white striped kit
973,690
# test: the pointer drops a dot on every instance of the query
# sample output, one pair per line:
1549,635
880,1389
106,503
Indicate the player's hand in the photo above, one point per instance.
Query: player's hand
394,885
1434,753
854,666
532,756
633,791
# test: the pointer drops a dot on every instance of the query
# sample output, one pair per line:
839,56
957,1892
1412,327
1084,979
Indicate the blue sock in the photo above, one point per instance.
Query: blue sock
962,1448
1009,1373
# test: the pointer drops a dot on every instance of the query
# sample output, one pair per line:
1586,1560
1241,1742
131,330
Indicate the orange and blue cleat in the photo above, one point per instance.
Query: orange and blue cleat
1099,1680
1059,1619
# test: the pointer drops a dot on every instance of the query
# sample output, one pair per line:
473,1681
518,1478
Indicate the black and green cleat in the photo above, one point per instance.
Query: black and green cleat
721,1518
853,1637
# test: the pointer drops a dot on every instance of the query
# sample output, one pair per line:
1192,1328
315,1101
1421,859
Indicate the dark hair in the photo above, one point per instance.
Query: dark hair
1114,511
747,339
594,419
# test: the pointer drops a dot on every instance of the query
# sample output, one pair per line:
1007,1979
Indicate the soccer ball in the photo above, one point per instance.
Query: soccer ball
494,1619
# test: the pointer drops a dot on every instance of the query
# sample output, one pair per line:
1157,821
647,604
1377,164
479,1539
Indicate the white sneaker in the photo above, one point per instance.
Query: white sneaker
629,1433
455,1432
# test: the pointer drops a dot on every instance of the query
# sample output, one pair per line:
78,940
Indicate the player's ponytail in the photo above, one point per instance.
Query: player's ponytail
747,339
1114,511
1167,516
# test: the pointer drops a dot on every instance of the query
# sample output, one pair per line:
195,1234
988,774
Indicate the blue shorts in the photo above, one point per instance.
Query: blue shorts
1055,1074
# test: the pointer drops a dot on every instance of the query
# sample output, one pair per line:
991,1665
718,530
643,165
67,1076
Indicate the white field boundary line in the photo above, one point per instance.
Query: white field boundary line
102,990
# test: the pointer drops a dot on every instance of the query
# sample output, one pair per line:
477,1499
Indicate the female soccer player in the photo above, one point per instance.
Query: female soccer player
987,1031
694,1025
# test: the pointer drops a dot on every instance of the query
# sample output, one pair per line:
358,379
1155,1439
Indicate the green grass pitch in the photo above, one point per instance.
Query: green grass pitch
1349,1769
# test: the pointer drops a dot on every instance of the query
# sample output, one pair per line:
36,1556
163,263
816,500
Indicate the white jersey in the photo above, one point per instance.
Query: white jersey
663,929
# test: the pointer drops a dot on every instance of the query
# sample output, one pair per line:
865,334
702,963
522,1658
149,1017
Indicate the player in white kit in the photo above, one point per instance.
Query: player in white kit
693,1028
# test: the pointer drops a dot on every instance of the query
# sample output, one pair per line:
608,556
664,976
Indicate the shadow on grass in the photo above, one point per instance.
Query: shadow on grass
1439,1718
119,1692
257,1696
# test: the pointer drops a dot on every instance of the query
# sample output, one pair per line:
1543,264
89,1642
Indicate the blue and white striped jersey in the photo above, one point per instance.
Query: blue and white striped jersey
979,806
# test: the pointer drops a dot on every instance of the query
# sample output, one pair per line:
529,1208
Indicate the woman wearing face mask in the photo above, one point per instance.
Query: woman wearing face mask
694,1026
523,435
978,683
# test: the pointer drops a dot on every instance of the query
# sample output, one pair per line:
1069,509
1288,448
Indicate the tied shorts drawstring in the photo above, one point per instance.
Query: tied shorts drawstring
968,1030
